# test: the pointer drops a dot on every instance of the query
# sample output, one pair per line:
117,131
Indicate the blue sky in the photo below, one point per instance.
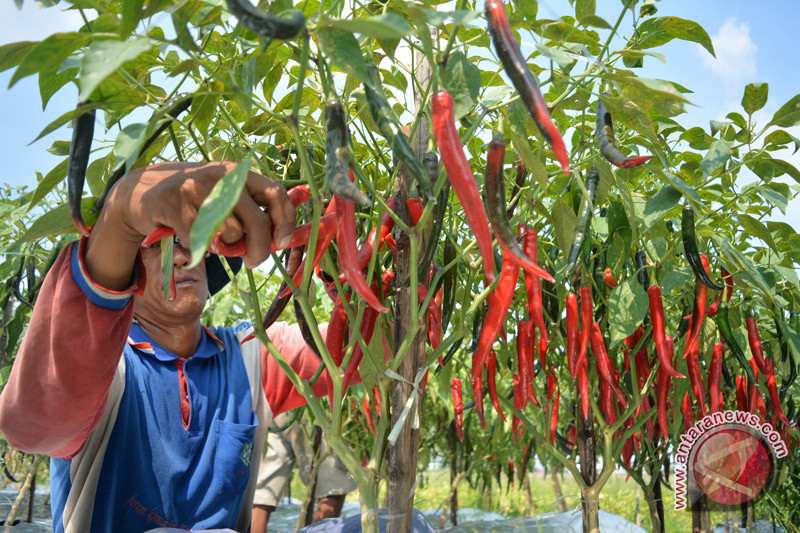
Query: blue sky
753,43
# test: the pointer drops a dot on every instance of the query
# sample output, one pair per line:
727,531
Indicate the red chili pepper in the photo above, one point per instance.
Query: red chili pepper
523,335
458,407
377,397
385,228
583,386
572,334
627,452
607,407
348,254
334,339
415,208
662,392
753,392
368,413
659,331
461,177
696,325
686,411
772,387
367,328
524,82
604,365
642,373
587,316
299,194
491,375
696,380
498,308
755,344
533,287
715,379
324,238
741,393
302,233
712,309
516,429
608,277
542,353
554,418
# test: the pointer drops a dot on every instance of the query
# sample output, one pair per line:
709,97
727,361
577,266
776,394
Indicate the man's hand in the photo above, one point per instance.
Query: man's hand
170,194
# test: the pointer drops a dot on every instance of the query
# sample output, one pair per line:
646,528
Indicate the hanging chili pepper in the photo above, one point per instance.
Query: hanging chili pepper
753,392
377,235
714,379
772,387
498,309
727,335
264,24
663,389
641,264
696,380
519,182
367,329
659,331
607,407
686,411
584,221
523,357
461,177
491,375
741,393
431,163
336,160
522,78
604,129
334,338
604,365
587,317
368,414
643,369
519,395
608,277
325,235
554,395
698,315
305,329
533,288
755,344
572,334
690,248
496,203
384,118
582,380
348,255
79,150
711,310
458,407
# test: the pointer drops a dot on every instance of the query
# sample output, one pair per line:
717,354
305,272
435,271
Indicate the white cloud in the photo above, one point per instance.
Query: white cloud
736,53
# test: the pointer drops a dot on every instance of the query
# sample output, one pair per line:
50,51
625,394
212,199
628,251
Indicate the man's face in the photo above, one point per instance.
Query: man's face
191,288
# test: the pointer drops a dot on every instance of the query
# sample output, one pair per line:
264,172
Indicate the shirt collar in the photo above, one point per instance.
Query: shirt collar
209,346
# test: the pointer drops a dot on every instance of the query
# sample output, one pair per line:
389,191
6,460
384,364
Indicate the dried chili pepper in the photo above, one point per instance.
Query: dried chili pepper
336,160
498,309
458,406
182,103
348,255
584,222
772,387
387,124
264,24
755,344
491,377
690,248
604,129
522,78
659,331
572,334
533,287
461,177
715,379
711,310
608,277
727,334
604,365
496,203
79,150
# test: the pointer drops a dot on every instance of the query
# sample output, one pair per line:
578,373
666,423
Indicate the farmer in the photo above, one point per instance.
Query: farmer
152,419
285,447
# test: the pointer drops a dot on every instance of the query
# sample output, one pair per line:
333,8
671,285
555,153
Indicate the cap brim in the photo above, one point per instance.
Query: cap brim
215,271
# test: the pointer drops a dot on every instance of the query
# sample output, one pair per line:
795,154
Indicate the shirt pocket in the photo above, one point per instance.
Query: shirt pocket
234,454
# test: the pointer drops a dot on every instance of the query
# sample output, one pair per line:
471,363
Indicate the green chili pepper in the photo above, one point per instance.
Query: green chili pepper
79,150
690,249
431,163
477,324
384,117
641,264
336,140
584,220
727,334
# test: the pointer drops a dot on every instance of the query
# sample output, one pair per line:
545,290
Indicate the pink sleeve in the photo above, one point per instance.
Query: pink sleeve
58,387
281,394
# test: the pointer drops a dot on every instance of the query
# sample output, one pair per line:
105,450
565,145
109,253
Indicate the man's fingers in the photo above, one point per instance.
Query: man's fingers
272,195
257,230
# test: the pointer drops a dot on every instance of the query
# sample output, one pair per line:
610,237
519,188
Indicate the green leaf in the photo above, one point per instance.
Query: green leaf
584,8
627,203
596,22
463,82
131,11
343,50
775,197
697,138
53,178
718,154
677,278
216,208
518,118
51,82
784,167
65,118
627,306
605,182
167,264
661,30
58,221
781,138
755,97
749,273
788,115
564,221
660,204
11,54
126,148
756,228
103,58
629,114
792,339
671,179
534,164
387,26
559,55
59,148
48,54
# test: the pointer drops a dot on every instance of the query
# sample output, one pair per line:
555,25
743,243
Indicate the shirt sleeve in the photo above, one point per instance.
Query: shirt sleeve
59,384
280,391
